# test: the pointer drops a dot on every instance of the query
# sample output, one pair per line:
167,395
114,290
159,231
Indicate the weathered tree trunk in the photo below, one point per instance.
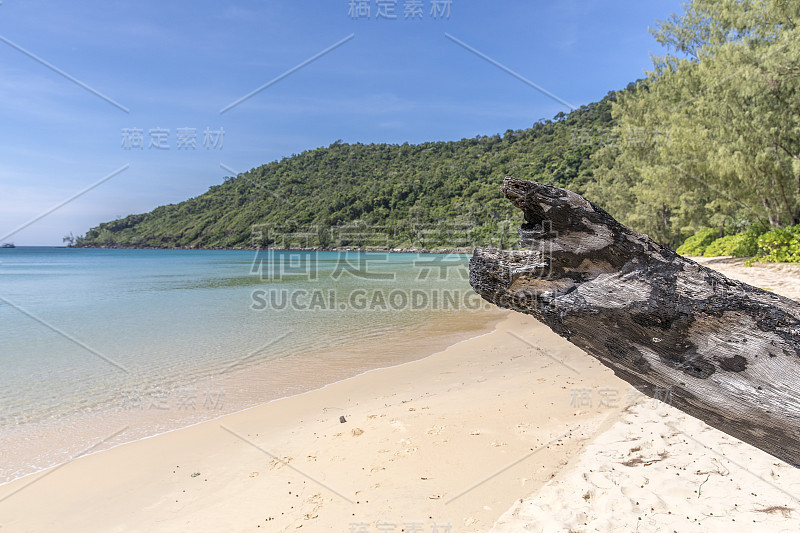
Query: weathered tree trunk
727,352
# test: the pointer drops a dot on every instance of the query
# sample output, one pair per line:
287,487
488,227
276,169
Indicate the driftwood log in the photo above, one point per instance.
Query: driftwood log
727,352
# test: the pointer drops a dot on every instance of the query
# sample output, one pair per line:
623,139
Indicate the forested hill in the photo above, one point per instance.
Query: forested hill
434,194
707,145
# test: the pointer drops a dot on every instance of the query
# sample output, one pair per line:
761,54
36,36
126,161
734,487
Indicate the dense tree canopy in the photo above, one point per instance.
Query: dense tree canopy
710,138
717,124
426,195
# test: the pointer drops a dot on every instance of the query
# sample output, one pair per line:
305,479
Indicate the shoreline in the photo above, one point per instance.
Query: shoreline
246,388
506,429
255,406
416,439
398,250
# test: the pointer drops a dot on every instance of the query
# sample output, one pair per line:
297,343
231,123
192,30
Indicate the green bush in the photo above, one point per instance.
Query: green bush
697,243
781,245
740,245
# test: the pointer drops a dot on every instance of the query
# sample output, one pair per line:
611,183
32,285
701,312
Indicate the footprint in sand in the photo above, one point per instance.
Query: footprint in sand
435,430
357,431
315,502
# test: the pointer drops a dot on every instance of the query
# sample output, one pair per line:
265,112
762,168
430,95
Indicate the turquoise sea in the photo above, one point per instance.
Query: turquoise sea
100,347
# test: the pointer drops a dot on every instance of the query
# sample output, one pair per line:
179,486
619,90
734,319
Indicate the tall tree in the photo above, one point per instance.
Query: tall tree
716,123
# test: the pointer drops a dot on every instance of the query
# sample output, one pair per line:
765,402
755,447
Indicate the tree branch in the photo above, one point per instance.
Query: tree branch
729,353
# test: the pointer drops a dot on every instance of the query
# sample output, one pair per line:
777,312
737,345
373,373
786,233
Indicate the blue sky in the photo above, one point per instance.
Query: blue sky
174,66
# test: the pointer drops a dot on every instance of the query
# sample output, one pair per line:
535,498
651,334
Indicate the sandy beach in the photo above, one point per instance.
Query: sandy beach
26,448
455,438
782,278
659,470
513,430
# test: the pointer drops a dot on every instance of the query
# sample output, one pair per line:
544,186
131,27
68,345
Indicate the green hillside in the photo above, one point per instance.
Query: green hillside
429,195
707,144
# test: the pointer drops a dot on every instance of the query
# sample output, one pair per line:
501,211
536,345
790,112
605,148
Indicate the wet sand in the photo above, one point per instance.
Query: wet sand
455,438
515,430
29,447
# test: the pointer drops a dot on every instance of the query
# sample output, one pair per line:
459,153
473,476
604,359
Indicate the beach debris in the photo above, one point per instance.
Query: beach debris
195,474
784,510
357,432
342,419
718,349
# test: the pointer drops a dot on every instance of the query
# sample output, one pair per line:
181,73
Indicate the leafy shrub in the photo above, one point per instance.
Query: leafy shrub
740,245
780,245
697,243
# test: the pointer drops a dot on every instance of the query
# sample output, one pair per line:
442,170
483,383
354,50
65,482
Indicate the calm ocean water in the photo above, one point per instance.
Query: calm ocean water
88,335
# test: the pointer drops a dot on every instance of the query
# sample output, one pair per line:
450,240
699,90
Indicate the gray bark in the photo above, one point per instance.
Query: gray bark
727,353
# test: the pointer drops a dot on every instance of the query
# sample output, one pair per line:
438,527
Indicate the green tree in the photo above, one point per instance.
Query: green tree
716,124
435,194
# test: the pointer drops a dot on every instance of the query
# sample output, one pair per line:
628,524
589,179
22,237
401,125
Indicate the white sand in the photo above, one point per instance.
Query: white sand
782,278
455,438
658,469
